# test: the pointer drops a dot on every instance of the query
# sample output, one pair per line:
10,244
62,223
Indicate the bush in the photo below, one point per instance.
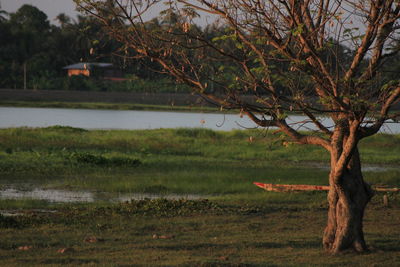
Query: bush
88,158
81,83
8,222
196,132
66,129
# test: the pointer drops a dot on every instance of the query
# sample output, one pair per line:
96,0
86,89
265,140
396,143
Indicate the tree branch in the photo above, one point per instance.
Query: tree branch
371,130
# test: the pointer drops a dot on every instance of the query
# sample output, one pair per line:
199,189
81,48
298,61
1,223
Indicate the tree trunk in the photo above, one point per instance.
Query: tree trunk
348,196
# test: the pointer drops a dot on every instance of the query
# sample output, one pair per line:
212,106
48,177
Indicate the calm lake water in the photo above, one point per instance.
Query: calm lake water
135,120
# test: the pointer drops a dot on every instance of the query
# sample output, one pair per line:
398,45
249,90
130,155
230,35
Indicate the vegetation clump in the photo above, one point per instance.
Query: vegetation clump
197,132
88,158
66,129
8,222
168,207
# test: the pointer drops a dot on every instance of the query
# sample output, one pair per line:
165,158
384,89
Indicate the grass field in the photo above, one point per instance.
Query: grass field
239,224
190,233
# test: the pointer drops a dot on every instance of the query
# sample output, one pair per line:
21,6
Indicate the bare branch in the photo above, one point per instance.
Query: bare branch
373,129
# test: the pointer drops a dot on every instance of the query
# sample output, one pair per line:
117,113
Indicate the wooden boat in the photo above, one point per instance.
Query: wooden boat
303,187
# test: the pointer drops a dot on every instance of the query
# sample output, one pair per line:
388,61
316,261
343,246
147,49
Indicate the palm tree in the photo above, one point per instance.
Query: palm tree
63,19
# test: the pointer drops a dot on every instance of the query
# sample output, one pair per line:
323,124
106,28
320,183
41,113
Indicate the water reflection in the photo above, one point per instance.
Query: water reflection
47,195
66,196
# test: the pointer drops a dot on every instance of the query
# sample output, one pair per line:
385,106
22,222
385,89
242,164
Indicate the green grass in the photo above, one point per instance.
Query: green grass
240,224
186,161
197,233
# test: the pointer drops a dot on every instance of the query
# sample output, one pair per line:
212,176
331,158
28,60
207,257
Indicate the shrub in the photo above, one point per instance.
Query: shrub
88,158
196,132
8,222
67,129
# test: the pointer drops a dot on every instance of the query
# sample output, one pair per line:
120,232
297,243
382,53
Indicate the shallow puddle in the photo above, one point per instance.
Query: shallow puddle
15,213
48,195
66,196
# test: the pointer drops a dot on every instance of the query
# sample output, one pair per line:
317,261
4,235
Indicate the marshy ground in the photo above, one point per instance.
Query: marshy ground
239,224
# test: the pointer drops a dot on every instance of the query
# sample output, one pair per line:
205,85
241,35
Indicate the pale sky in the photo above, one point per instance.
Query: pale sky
51,7
54,7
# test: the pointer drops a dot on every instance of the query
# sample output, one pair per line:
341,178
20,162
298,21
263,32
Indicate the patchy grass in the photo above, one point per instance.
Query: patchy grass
190,233
240,225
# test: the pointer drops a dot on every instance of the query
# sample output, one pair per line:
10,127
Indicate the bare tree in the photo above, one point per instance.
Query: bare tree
309,57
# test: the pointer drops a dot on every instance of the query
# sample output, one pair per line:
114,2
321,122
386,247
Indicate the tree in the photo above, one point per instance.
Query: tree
6,52
63,19
298,44
31,27
3,15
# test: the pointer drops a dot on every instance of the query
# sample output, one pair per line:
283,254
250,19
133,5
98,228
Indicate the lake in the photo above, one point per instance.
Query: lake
135,120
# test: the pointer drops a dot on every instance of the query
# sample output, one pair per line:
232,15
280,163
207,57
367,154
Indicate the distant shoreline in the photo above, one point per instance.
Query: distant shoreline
169,99
108,100
104,100
106,106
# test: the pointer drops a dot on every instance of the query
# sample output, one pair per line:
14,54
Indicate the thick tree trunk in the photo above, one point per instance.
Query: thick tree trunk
347,197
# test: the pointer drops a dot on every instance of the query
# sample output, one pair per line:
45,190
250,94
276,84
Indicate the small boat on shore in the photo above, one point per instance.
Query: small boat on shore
303,187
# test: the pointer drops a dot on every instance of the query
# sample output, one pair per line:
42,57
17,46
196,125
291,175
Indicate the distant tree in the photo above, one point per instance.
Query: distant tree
293,43
7,51
63,19
31,28
30,19
3,15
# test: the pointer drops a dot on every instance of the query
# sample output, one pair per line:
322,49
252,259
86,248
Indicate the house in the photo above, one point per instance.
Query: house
90,69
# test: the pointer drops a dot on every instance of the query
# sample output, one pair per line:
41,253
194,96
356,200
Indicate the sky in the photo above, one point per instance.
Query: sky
54,7
51,7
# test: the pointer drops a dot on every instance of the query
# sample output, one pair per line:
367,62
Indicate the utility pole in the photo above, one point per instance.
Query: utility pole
25,75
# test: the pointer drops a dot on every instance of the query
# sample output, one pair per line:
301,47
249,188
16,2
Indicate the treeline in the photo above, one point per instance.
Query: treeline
33,53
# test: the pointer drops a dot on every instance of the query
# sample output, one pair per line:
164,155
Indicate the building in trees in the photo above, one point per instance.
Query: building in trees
99,70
